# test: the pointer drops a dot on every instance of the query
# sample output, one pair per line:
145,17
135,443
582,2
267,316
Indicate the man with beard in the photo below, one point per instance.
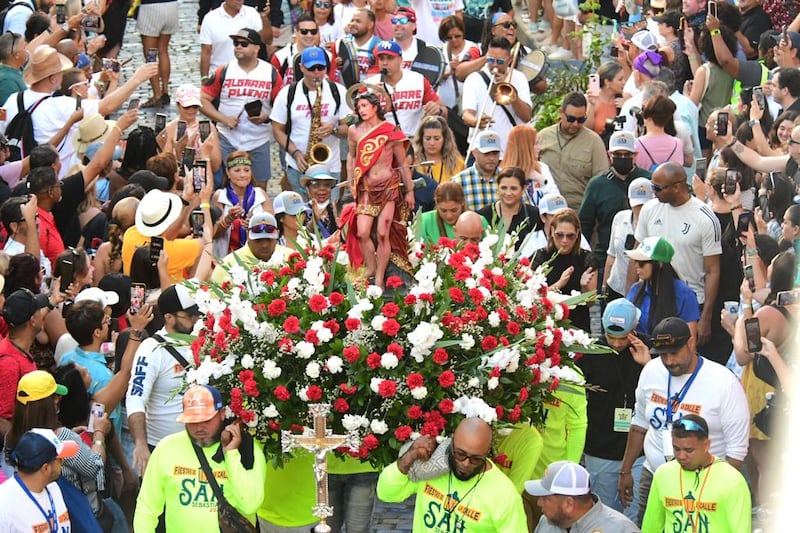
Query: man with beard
174,483
160,364
472,495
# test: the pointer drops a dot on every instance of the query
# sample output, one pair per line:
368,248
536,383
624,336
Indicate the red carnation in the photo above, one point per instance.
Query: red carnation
317,303
513,328
373,360
314,393
391,327
341,405
281,393
291,325
336,298
446,406
410,299
402,433
447,379
565,310
414,380
268,277
276,307
345,388
523,394
489,343
285,271
370,442
553,385
395,349
476,295
251,388
351,354
247,416
457,295
414,412
352,324
387,388
440,356
390,310
312,337
299,266
499,410
394,282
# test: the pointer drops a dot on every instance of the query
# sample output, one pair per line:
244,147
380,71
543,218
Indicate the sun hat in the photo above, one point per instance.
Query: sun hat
38,385
92,129
317,173
200,404
45,61
652,249
157,211
562,477
39,446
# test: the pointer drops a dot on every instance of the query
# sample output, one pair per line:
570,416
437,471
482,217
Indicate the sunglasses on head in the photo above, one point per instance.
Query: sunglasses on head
326,5
308,31
579,120
495,60
507,24
400,20
263,229
689,425
241,44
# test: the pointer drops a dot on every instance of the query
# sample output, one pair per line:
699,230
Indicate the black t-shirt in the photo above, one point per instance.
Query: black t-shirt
65,212
754,23
528,214
579,315
731,273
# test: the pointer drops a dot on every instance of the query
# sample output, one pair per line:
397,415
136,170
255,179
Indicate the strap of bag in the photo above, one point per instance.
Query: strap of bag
505,110
173,352
653,161
209,474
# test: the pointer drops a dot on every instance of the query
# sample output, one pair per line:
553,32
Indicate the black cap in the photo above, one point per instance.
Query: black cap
248,35
670,335
120,284
21,305
177,298
148,180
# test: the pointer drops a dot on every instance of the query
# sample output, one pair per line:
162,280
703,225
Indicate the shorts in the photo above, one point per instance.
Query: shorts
158,19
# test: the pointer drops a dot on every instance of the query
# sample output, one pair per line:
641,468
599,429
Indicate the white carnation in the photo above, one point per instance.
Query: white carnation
354,422
389,361
493,383
377,322
270,411
374,383
342,258
474,383
467,342
304,349
312,369
247,361
419,393
334,364
494,319
374,292
379,427
323,333
271,370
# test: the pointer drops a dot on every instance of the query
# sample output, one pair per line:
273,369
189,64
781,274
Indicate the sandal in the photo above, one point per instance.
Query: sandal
151,102
164,99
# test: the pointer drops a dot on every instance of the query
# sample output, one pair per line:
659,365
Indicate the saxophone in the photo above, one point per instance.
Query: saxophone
317,153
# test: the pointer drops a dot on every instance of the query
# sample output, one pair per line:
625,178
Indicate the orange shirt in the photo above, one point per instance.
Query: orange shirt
182,254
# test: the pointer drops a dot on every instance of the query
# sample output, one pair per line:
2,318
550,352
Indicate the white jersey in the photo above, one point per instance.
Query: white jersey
410,54
301,107
217,28
410,94
692,229
621,227
155,378
283,60
715,394
429,16
18,513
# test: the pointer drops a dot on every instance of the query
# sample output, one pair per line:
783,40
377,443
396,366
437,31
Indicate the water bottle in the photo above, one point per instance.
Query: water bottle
595,319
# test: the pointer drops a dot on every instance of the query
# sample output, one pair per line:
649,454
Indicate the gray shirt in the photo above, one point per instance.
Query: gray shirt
599,518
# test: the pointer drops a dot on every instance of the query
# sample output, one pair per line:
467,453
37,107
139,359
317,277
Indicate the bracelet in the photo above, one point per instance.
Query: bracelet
295,151
715,32
624,473
205,205
184,201
117,128
751,251
99,443
136,335
747,306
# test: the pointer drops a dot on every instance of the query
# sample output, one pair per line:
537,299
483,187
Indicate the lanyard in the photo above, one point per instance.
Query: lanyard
682,393
694,509
50,518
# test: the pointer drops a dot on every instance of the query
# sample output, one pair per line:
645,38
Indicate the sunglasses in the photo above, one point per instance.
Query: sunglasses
262,229
507,24
460,456
316,68
241,44
659,188
400,20
326,5
579,120
495,60
562,236
689,425
309,31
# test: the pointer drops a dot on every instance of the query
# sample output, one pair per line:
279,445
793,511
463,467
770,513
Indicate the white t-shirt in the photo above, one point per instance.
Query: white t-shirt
475,93
621,227
429,16
301,118
217,28
151,390
17,18
410,54
13,247
715,394
343,14
329,33
692,229
18,513
283,56
447,90
409,95
537,240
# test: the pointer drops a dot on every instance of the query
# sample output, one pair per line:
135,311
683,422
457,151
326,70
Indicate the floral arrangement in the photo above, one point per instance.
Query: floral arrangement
474,333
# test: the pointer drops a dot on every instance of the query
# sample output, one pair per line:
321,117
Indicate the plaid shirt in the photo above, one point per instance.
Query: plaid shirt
478,191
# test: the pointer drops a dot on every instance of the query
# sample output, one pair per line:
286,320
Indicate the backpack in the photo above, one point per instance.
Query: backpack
6,7
290,98
19,130
222,72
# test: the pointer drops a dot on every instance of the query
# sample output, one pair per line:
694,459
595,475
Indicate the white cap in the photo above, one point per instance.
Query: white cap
562,477
95,294
645,40
640,191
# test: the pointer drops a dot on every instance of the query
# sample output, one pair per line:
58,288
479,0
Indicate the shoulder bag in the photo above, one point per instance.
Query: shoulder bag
230,520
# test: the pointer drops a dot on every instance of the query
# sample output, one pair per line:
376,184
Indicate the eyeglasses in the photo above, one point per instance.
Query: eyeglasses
79,84
326,5
400,20
308,31
659,188
241,44
263,229
689,425
455,36
792,141
579,120
567,236
316,68
184,314
314,183
495,60
507,24
461,455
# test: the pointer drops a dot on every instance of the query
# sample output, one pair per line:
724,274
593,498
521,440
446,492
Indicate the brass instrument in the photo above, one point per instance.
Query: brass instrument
317,153
503,92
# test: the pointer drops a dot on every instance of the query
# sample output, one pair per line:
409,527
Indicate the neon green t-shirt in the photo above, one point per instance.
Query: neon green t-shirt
290,492
716,499
519,453
564,433
489,503
348,465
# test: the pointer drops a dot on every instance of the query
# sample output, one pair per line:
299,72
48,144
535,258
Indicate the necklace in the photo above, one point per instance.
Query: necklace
692,507
451,503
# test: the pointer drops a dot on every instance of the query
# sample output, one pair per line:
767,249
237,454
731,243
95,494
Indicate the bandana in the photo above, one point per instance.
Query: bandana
240,162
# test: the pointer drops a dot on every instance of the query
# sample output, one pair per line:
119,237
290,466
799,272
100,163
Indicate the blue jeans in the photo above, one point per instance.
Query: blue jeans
262,170
120,522
293,175
352,497
604,480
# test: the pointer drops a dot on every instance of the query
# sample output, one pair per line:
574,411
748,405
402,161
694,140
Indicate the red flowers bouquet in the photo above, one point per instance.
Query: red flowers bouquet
473,333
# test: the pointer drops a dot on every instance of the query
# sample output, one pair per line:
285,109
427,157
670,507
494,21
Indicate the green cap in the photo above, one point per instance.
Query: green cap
653,249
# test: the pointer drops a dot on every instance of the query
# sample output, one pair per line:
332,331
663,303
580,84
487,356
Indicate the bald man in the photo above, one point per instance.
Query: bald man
469,228
125,212
473,495
69,49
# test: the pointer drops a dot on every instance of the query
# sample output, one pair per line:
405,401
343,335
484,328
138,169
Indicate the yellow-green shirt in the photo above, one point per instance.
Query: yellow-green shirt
565,430
518,453
290,492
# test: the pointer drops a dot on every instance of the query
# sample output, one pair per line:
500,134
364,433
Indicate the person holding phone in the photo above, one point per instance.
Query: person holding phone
606,102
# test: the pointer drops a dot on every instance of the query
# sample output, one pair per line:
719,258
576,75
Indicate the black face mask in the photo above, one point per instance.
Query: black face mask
623,165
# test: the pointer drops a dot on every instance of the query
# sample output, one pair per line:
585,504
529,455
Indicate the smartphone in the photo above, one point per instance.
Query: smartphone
785,298
133,104
90,23
785,35
682,26
205,129
700,168
752,330
630,241
722,123
198,175
197,219
180,131
748,275
67,272
731,179
161,122
712,9
152,55
156,245
745,222
186,161
138,291
77,102
97,411
253,108
594,84
61,13
758,96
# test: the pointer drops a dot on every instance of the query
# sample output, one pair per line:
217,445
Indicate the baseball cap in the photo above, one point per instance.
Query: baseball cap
187,95
21,305
794,38
106,298
92,149
248,35
669,336
487,141
263,226
652,249
119,284
622,140
200,403
39,446
390,48
149,180
38,385
640,191
83,60
550,204
620,317
313,56
562,477
645,40
288,202
406,11
177,298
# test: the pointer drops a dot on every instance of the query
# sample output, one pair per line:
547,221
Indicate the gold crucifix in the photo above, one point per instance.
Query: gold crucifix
320,441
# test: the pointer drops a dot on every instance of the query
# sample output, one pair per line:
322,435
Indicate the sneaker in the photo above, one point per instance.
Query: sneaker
559,54
534,26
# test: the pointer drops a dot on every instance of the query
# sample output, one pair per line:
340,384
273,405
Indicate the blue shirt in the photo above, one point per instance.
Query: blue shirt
685,303
94,362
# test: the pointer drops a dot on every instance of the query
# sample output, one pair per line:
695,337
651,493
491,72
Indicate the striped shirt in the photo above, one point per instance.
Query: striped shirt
479,191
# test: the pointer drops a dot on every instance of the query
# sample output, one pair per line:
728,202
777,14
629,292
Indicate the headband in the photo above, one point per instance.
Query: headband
239,162
496,17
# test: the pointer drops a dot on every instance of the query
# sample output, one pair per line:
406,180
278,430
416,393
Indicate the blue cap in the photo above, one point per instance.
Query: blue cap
92,149
620,317
83,60
388,48
313,56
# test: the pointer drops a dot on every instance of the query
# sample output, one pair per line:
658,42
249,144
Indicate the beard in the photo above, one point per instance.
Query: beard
207,440
460,474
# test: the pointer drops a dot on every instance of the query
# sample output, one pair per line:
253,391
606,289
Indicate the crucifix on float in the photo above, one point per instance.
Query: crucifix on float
320,441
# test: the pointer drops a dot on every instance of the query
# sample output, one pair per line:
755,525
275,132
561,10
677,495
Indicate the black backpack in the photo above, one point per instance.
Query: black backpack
6,7
19,131
337,99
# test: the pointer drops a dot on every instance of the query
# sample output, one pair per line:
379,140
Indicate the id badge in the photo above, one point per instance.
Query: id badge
666,440
622,419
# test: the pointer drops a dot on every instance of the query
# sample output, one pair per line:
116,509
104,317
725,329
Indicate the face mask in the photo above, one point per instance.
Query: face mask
623,165
323,205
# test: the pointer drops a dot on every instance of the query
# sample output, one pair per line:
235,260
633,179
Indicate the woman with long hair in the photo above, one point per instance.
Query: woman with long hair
607,103
450,203
434,142
660,143
538,178
329,31
781,130
511,211
141,146
660,292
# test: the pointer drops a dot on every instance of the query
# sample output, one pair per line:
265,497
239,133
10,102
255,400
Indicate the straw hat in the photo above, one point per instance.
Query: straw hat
45,61
91,129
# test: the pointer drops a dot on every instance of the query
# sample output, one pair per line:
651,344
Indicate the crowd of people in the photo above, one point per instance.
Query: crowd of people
670,186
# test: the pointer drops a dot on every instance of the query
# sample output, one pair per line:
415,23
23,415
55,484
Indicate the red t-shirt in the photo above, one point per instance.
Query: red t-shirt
49,237
13,365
